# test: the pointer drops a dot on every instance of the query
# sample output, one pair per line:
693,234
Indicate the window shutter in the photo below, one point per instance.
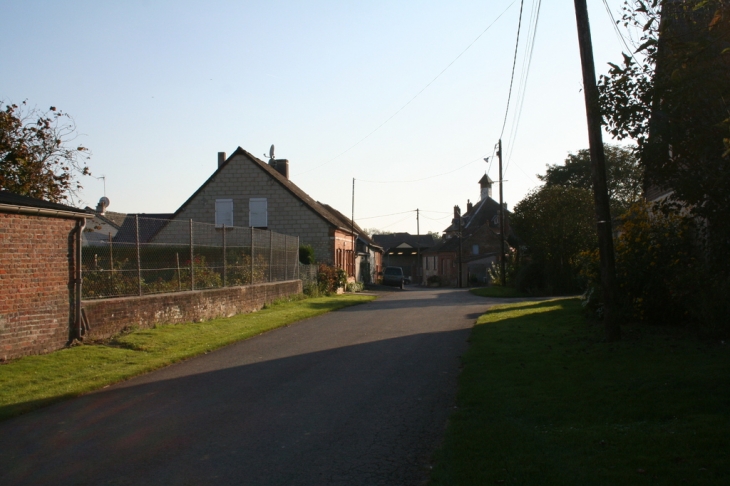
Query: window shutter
223,212
257,212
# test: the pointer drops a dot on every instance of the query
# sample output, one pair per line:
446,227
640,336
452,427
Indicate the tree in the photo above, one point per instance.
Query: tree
625,176
555,224
674,100
38,156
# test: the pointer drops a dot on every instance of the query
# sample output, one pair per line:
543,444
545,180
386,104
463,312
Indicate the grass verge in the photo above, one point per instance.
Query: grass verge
497,291
35,381
543,399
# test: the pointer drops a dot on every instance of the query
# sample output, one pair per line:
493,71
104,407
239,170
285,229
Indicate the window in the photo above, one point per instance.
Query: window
223,212
257,212
475,249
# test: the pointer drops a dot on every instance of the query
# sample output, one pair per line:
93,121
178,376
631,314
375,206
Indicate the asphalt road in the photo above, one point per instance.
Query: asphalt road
356,397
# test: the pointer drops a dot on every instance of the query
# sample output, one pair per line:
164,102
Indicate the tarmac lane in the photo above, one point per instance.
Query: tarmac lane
360,396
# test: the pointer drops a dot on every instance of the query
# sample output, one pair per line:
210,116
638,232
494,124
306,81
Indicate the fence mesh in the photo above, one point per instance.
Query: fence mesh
148,256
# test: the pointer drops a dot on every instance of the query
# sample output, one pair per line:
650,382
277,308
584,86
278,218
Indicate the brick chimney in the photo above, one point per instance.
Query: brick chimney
221,158
281,166
469,206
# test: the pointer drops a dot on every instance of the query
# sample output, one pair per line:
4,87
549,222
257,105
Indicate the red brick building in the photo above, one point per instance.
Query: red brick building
38,281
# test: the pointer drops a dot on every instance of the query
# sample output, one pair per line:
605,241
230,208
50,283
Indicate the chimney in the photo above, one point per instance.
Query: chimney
221,158
469,206
281,166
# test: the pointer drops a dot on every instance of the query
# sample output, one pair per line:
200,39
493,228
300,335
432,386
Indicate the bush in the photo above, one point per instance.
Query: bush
355,287
306,254
330,278
656,267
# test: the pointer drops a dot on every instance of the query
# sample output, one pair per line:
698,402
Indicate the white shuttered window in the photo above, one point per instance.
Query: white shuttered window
257,212
223,212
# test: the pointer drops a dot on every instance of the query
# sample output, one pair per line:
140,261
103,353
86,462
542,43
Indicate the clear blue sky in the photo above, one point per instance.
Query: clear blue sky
157,88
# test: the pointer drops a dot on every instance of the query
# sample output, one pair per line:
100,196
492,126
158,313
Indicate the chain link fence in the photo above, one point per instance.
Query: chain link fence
149,256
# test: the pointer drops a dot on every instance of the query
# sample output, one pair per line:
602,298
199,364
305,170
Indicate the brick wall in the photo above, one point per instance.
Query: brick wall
109,316
36,289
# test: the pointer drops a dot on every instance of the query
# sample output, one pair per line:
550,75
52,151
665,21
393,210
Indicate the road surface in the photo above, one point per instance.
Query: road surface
356,397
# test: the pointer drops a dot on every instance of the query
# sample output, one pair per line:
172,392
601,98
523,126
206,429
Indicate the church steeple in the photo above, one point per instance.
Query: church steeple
485,183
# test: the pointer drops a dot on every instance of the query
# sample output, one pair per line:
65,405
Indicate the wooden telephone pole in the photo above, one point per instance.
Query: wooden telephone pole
598,174
502,275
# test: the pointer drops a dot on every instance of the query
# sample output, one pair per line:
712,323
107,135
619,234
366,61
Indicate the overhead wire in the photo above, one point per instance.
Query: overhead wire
422,178
417,94
386,215
514,63
522,90
618,32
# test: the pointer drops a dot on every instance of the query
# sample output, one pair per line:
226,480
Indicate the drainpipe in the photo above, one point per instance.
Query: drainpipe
80,225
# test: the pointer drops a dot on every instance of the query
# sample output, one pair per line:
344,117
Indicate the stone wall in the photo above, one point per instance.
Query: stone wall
36,283
107,317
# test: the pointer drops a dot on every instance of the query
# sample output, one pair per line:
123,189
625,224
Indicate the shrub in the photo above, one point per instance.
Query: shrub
330,278
355,287
306,254
655,265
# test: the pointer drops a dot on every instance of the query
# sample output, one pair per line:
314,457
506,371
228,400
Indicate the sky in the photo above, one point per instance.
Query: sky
405,97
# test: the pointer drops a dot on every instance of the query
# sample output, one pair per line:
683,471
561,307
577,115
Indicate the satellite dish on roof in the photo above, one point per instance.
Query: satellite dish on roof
103,204
271,151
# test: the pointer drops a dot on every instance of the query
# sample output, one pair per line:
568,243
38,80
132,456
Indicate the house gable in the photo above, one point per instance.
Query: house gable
243,178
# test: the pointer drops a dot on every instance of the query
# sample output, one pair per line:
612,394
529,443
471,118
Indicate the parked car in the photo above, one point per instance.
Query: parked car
393,276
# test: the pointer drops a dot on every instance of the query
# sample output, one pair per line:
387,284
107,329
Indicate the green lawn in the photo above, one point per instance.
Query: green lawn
35,381
544,400
497,291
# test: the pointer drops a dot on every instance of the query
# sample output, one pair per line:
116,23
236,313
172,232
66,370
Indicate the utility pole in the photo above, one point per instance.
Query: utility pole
503,276
598,174
460,249
419,272
352,221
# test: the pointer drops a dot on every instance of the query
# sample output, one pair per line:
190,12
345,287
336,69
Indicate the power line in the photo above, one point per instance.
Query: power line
386,215
618,32
522,90
417,94
400,221
422,178
514,63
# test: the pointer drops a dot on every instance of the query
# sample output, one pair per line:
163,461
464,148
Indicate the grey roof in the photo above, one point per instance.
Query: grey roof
13,199
149,225
348,222
395,239
481,213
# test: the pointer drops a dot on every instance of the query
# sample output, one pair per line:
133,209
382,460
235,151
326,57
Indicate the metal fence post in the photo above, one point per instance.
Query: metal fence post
252,260
224,255
111,265
286,257
139,260
271,252
192,256
177,262
297,260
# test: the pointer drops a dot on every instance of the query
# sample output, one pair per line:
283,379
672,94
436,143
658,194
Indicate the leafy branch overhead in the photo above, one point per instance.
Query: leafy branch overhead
39,156
672,96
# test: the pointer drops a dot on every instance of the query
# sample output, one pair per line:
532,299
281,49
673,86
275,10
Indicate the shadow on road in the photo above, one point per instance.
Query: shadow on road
369,413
